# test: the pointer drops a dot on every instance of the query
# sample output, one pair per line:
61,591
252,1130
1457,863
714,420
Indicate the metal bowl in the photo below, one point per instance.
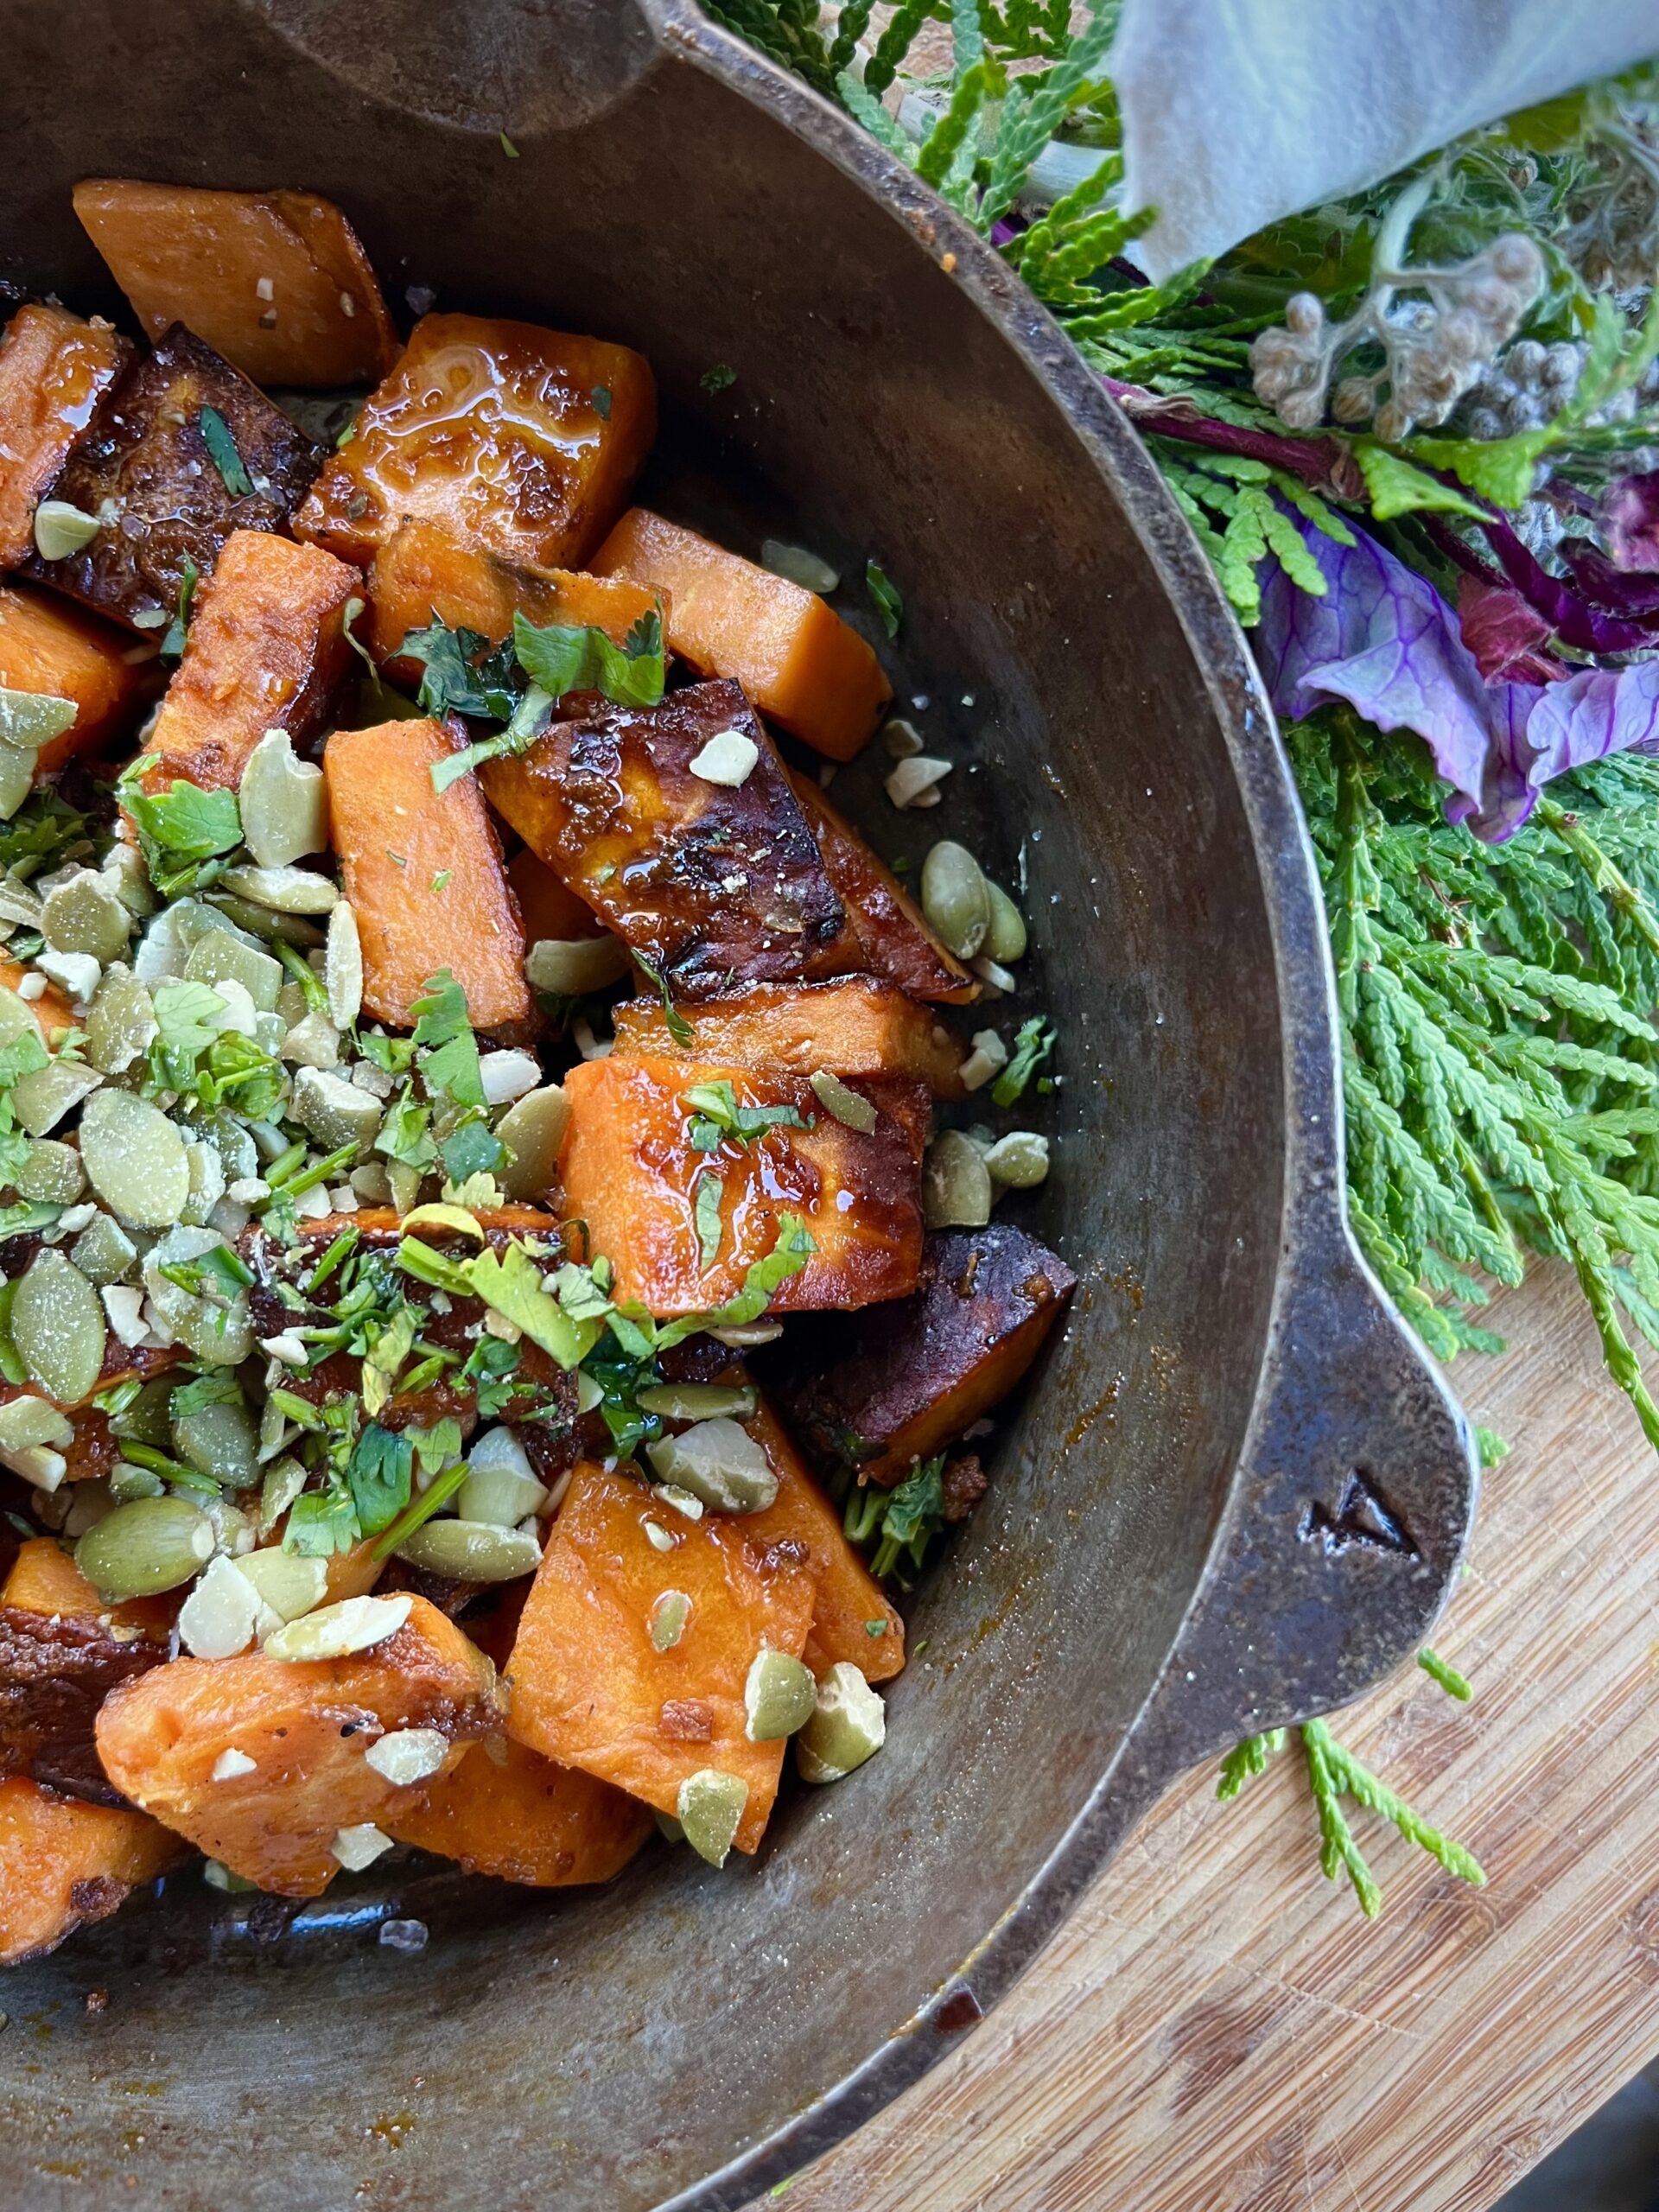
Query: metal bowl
1234,1494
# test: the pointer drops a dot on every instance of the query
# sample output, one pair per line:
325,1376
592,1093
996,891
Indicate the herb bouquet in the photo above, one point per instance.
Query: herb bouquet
1417,432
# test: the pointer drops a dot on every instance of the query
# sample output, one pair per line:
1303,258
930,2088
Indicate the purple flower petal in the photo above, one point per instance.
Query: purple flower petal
1631,520
1598,711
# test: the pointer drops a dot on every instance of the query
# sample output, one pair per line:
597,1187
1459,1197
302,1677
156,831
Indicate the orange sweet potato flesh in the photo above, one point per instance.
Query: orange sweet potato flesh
707,880
852,1619
631,1174
306,1725
589,1688
266,650
424,570
63,1864
507,1811
547,907
44,1578
888,928
46,646
54,369
277,282
52,1011
798,661
881,1393
423,870
854,1026
490,427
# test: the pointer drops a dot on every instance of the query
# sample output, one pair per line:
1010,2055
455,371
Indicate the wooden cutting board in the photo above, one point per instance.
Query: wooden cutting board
1217,2030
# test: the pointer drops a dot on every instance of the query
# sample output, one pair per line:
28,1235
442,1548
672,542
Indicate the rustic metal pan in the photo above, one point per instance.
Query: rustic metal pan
1236,1493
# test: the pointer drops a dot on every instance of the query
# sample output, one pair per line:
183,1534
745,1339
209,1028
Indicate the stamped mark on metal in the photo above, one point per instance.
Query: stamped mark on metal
1363,1516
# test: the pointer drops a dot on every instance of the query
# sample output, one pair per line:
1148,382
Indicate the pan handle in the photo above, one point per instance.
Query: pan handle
1344,1533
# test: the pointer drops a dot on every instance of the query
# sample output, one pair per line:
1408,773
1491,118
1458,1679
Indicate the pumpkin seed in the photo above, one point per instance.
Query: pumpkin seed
85,914
283,802
57,1325
1006,937
902,740
342,967
915,781
532,1129
124,870
798,566
135,1158
500,1487
31,1421
360,1845
956,899
847,1106
219,1441
406,1755
666,1621
290,1585
335,1631
697,1401
1018,1161
41,1101
471,1551
509,1075
778,1696
142,1549
51,1174
128,1482
848,1724
989,1057
284,890
61,529
284,1479
719,1463
313,1042
710,1807
265,922
206,1182
17,779
104,1252
572,967
218,958
956,1183
728,759
335,1111
216,1620
30,720
214,1328
121,1024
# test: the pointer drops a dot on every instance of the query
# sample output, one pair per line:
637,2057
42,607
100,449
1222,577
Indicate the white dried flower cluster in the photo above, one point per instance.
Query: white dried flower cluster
1434,349
1530,384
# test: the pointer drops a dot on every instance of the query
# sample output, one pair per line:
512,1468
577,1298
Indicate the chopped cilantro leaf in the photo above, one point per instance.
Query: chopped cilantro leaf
379,1471
458,677
714,1107
471,1149
884,596
561,659
223,452
1033,1043
451,1063
179,628
510,1283
709,1191
322,1522
719,377
679,1027
600,396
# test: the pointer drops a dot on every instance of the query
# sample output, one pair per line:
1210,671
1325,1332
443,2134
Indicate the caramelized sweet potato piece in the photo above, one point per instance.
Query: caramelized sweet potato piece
491,428
266,649
884,923
798,661
521,1818
589,1687
47,646
423,872
277,282
44,1578
855,1026
54,370
61,1652
851,1618
881,1393
547,908
632,1173
424,570
145,462
306,1725
63,1864
706,879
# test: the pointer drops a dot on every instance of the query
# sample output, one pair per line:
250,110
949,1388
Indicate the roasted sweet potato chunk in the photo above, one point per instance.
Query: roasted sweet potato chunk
63,1864
589,1687
798,661
61,1652
423,872
54,370
277,282
851,1618
47,646
884,922
266,650
882,1392
424,570
307,1725
507,1811
546,907
855,1026
649,1195
171,486
708,880
494,428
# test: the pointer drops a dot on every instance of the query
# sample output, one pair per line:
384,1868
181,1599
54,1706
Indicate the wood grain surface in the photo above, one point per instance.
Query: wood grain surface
1217,2030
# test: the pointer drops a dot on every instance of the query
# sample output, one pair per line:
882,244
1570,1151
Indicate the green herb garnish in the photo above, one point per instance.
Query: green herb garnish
679,1027
884,597
223,452
1034,1042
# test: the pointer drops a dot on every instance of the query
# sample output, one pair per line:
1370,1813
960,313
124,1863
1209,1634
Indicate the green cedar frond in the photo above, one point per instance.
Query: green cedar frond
1334,1772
